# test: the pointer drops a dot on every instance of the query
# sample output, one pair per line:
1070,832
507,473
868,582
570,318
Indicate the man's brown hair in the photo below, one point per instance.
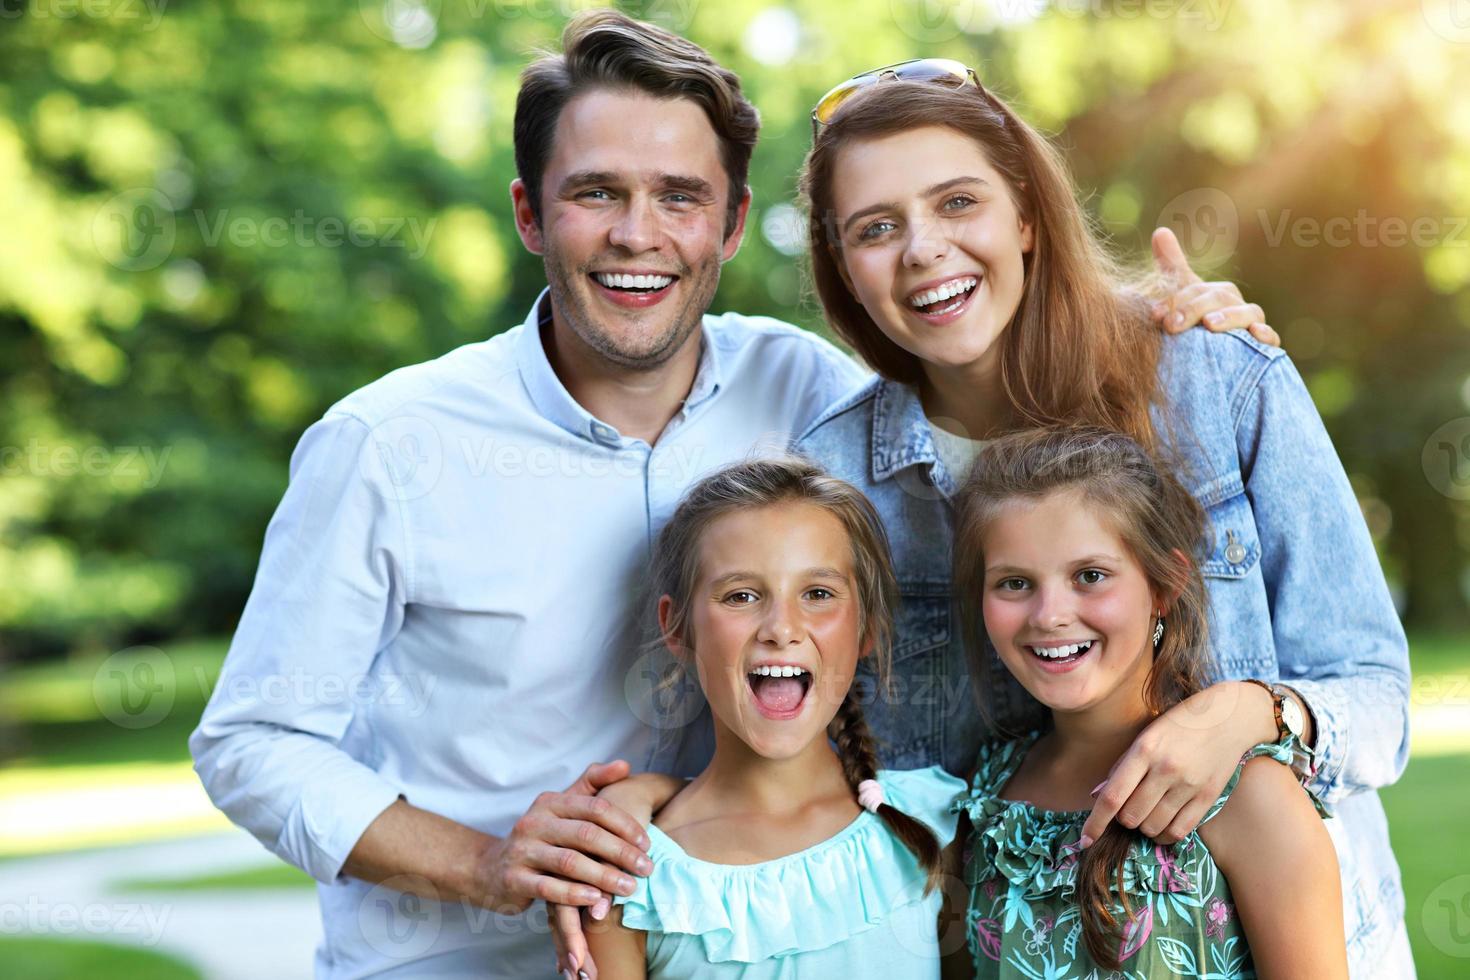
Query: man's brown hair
608,49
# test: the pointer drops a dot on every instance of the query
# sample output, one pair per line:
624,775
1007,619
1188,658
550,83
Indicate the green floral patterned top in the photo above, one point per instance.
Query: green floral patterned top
1021,868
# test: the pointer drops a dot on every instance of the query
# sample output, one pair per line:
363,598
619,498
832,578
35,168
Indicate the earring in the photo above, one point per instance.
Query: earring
1159,633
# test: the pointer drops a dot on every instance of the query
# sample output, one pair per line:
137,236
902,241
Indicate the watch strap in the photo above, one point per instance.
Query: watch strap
1277,696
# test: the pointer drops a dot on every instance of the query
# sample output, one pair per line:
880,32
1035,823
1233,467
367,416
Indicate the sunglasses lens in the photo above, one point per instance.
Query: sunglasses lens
933,69
833,99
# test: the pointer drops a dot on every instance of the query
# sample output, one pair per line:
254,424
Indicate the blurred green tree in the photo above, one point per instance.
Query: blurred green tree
223,217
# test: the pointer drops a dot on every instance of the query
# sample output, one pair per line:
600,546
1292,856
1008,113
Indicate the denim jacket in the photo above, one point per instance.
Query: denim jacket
1295,588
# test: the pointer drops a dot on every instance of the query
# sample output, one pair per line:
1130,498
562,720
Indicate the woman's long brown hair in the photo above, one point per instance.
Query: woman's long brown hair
1081,348
1163,527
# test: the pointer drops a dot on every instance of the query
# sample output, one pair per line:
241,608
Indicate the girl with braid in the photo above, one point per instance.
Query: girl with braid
791,854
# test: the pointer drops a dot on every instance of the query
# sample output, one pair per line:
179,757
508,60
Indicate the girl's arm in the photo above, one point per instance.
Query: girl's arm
618,952
1275,852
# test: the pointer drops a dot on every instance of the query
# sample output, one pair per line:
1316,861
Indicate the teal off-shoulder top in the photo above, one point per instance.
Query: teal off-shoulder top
1023,921
851,906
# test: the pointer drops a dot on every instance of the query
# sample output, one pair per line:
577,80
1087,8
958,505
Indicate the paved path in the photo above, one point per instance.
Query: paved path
241,934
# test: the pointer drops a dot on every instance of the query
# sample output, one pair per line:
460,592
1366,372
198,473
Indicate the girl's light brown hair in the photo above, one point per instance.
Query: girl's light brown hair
1081,348
786,479
1162,526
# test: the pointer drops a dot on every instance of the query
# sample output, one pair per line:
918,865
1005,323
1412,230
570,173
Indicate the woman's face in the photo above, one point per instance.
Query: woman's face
931,243
776,595
1067,606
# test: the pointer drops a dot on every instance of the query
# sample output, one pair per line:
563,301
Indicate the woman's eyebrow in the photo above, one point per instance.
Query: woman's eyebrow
938,188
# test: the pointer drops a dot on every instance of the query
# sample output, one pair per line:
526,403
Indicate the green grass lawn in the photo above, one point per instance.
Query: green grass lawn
34,958
267,876
1428,811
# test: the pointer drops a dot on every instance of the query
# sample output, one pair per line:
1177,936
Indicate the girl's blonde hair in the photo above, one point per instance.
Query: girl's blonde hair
1163,528
785,479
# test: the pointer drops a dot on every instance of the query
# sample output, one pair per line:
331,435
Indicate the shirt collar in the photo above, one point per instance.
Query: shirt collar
556,404
901,436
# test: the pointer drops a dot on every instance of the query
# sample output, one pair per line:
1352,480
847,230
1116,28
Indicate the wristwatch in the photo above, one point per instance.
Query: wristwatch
1289,718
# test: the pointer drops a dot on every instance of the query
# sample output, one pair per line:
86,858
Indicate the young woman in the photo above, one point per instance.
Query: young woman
950,252
1075,556
792,853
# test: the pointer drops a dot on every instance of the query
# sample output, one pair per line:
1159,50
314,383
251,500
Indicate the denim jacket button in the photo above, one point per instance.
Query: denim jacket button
1234,550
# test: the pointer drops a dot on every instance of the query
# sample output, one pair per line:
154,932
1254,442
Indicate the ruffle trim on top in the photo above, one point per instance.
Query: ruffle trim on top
805,901
1037,851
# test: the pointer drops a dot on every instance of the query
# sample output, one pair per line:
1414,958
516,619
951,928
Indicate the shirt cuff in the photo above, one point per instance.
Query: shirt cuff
1329,749
330,818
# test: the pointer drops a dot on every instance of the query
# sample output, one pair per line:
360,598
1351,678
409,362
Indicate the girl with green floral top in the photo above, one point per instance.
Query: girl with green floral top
1074,550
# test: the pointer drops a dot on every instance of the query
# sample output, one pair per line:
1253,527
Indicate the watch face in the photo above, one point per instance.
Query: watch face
1291,717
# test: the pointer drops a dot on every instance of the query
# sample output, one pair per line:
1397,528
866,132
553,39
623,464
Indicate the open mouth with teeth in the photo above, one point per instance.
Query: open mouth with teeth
945,299
1064,654
779,691
629,289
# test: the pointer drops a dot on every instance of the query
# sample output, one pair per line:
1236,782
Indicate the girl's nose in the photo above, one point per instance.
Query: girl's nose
782,626
1050,610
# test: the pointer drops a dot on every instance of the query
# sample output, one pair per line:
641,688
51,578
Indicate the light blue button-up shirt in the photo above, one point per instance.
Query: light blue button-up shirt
449,606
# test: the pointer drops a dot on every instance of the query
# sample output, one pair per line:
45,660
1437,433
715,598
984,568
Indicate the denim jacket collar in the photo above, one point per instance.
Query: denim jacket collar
901,436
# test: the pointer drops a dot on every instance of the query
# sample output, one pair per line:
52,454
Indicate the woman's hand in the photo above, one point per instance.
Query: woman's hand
1176,768
640,797
1219,306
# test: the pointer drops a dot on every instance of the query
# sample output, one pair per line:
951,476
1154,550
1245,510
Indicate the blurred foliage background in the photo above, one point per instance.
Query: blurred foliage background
221,217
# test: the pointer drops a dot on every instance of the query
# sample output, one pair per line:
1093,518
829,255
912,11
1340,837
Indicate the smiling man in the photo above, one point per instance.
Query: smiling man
477,528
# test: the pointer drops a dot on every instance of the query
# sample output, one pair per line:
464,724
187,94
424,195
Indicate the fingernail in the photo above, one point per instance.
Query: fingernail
1212,318
576,963
644,866
1157,309
627,885
599,910
644,842
1177,320
582,975
1085,842
568,975
1098,788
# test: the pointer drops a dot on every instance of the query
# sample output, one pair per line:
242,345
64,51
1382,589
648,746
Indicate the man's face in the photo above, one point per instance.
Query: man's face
633,205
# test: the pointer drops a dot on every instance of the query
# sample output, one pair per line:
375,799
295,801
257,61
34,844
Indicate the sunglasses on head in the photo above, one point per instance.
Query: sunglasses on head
943,71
